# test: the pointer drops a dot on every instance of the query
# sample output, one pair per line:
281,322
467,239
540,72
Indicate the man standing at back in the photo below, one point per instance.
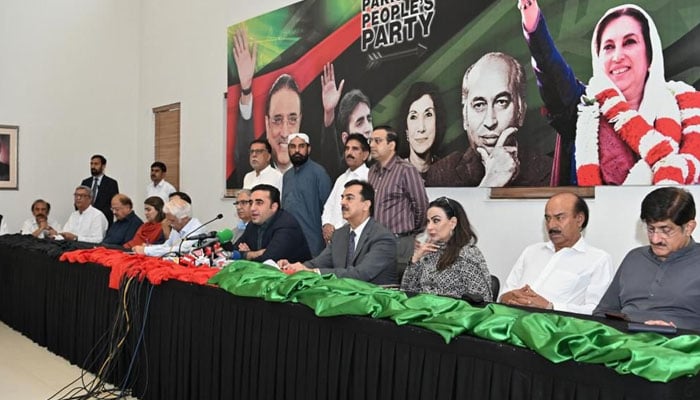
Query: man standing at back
306,188
565,273
400,195
102,187
659,284
159,186
260,156
356,154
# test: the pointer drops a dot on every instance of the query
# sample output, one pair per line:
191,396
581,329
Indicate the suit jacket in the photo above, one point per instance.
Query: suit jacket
282,238
105,191
374,260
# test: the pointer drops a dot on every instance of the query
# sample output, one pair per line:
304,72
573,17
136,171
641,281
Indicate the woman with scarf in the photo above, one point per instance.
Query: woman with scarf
628,125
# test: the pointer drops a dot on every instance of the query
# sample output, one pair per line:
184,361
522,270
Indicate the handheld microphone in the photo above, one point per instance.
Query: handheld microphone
187,237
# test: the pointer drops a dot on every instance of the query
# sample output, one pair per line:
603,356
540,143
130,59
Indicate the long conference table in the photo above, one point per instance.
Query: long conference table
200,342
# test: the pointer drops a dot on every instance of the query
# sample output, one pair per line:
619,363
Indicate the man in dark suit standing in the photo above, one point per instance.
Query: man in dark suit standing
362,249
102,187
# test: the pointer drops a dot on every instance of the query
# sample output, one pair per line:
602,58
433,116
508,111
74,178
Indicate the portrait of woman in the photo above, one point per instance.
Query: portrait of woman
448,262
628,125
151,232
422,120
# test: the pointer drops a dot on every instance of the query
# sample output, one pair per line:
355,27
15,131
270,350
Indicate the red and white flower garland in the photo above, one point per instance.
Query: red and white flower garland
663,161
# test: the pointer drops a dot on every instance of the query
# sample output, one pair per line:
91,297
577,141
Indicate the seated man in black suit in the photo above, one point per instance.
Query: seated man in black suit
126,224
362,249
272,233
102,187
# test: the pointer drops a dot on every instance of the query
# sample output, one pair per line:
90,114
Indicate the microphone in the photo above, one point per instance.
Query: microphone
219,216
202,236
187,237
224,235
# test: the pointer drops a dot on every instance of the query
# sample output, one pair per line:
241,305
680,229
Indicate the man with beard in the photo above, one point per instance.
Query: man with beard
564,273
356,154
102,187
362,249
306,188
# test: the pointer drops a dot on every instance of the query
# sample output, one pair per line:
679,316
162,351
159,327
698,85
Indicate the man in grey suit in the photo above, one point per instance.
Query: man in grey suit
362,249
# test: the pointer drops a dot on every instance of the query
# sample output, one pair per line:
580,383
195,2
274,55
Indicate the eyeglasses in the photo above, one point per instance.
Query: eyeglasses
243,202
664,231
258,151
116,208
292,120
376,140
80,195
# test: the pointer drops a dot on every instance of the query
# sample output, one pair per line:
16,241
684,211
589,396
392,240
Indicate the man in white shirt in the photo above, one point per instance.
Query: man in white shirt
39,225
356,154
564,273
263,172
86,223
178,213
159,186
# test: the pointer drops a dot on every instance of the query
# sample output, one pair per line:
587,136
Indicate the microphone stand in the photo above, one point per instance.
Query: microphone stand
179,248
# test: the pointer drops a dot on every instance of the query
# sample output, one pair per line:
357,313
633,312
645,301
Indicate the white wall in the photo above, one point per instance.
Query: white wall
82,77
69,78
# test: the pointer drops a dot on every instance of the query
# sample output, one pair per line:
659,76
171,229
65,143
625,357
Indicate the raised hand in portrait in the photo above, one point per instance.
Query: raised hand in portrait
330,94
529,9
245,57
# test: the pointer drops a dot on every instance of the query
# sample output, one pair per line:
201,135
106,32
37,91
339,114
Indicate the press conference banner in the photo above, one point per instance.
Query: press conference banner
408,59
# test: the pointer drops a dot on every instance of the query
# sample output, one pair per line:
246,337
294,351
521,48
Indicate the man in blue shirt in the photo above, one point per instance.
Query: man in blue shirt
306,188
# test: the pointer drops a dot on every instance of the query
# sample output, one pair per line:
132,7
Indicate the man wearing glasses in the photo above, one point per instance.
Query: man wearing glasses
242,203
659,284
126,222
400,194
260,156
564,273
86,223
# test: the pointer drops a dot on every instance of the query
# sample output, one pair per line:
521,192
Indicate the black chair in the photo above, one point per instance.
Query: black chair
495,287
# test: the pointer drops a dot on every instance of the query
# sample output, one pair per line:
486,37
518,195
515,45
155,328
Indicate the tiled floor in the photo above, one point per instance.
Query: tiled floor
28,371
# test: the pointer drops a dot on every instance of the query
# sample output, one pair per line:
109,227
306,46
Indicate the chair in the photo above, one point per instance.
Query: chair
495,286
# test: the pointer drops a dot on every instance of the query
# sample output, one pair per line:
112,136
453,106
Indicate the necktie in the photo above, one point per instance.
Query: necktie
94,189
351,249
